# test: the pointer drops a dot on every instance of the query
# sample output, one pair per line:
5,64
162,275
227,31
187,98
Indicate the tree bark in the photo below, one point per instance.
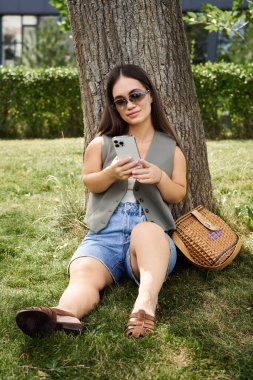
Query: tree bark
148,33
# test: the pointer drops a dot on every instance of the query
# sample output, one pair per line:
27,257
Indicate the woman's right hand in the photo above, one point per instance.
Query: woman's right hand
121,169
97,179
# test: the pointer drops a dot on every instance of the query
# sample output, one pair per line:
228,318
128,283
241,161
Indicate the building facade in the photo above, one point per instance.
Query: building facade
19,18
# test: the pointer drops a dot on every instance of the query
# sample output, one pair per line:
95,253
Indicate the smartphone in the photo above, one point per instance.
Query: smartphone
126,146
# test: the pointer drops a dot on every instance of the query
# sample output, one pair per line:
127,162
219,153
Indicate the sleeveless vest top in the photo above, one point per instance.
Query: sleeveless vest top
101,206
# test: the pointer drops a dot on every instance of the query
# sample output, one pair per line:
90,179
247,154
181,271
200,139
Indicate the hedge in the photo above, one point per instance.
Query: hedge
39,103
46,103
225,95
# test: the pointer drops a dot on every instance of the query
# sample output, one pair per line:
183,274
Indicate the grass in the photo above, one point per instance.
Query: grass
205,328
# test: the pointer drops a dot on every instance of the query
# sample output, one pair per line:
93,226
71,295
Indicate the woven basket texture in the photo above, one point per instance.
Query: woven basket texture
207,248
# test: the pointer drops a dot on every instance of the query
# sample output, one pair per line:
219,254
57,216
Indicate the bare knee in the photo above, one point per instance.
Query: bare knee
147,230
148,234
90,271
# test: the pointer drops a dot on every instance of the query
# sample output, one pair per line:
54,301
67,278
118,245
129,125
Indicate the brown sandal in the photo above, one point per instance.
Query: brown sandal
42,321
140,324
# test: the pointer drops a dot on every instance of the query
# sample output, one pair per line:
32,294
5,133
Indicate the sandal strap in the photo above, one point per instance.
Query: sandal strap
62,312
52,311
141,314
140,324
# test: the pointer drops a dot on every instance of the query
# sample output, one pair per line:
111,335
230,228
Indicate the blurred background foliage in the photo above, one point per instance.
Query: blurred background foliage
41,103
46,102
41,97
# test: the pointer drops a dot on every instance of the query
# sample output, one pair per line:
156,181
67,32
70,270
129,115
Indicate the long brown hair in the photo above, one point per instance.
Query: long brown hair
112,124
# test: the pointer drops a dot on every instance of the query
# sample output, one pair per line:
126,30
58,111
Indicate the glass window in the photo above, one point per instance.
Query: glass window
29,32
12,53
16,31
46,18
29,20
230,45
12,29
12,39
197,42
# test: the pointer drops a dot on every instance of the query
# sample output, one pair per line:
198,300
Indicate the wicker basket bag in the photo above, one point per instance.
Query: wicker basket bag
205,239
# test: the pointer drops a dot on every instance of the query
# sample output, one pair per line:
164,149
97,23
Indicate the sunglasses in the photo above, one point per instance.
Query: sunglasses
135,97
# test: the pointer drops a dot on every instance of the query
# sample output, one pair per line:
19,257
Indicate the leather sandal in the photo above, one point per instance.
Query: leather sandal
42,321
140,324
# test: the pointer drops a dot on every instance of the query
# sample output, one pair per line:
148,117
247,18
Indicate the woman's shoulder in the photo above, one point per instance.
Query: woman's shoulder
100,143
95,145
96,141
100,139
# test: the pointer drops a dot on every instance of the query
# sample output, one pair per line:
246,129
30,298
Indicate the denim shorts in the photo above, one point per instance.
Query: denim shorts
111,245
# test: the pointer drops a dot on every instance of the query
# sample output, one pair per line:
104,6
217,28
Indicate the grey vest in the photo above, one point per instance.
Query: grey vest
101,206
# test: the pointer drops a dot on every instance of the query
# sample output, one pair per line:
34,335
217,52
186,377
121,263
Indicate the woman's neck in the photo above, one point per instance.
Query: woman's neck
142,134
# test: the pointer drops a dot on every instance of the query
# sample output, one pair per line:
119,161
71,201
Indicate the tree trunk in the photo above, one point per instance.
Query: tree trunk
148,33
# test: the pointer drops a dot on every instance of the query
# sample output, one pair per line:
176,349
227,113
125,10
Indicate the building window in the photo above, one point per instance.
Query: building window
229,46
15,30
12,39
197,38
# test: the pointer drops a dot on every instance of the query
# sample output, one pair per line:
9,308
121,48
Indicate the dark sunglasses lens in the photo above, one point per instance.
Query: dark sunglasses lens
120,102
135,96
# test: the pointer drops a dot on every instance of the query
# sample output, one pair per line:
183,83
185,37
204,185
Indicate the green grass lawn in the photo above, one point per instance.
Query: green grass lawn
205,326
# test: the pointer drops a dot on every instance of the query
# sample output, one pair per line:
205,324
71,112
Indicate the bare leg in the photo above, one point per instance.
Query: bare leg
87,277
150,256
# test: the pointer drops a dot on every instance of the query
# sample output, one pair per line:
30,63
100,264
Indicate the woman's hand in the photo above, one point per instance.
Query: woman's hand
172,189
122,168
97,179
147,173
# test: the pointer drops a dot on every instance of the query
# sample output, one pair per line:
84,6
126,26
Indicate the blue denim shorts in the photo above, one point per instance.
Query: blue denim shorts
111,245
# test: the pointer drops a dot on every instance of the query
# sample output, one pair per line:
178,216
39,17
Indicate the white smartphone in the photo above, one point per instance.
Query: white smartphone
126,146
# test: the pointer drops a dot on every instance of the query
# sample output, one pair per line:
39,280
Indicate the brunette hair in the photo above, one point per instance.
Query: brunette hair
112,124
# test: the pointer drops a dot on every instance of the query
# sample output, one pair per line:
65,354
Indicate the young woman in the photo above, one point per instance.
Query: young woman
128,211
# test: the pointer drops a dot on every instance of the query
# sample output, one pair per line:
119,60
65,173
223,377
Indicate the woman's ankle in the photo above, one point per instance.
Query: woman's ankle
146,301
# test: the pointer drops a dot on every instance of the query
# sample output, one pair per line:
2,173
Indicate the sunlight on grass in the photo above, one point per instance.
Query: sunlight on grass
231,165
205,326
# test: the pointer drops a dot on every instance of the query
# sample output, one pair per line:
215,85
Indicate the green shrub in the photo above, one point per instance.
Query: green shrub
39,103
225,95
46,102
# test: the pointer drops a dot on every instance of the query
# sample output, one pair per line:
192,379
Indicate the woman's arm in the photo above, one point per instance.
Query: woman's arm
173,189
98,180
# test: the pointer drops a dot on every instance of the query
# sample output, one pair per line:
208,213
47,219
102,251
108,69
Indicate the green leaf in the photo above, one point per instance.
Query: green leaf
192,15
212,28
61,5
250,212
250,224
236,5
238,210
250,217
209,8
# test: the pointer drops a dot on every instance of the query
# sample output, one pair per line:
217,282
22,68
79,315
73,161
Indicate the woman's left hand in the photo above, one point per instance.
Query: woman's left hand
149,173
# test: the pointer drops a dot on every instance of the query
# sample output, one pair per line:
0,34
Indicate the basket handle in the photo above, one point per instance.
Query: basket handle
205,222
